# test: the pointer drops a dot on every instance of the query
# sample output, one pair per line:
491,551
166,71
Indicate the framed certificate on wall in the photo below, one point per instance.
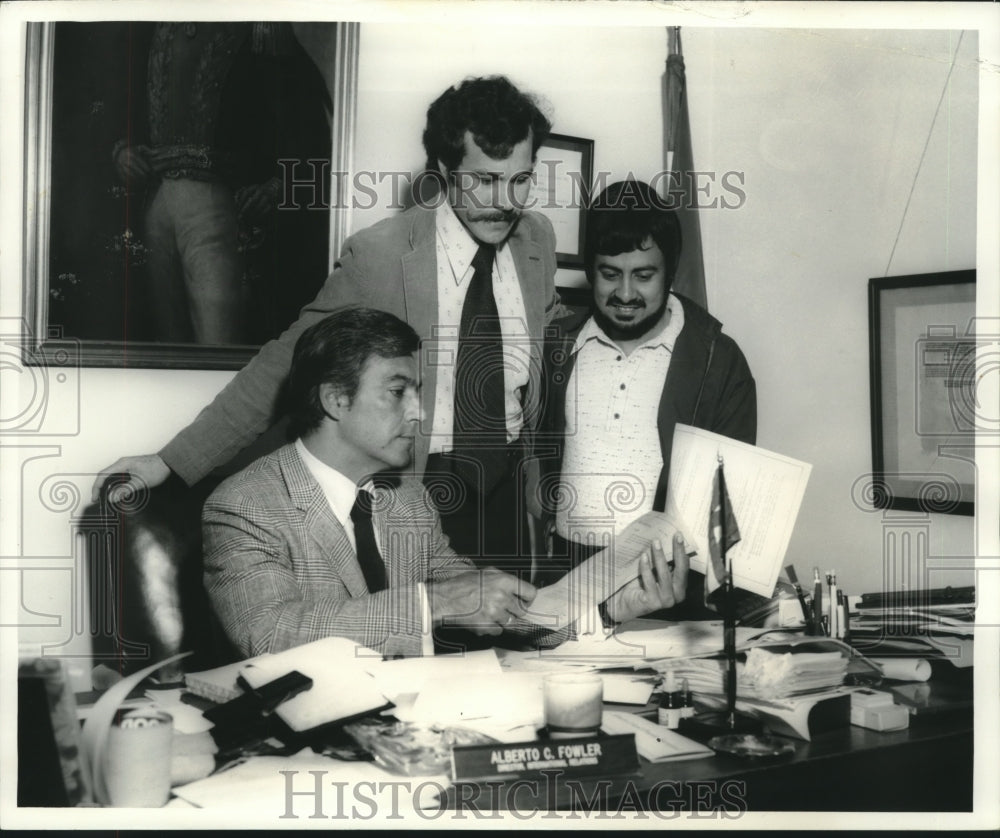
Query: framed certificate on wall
923,391
564,168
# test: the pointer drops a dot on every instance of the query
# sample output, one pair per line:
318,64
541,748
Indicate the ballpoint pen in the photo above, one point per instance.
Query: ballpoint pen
845,616
817,603
834,609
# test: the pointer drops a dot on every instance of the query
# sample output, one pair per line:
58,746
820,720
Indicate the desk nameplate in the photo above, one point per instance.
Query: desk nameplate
583,757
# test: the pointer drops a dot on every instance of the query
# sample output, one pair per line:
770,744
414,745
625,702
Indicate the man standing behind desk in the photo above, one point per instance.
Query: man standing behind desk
474,275
621,378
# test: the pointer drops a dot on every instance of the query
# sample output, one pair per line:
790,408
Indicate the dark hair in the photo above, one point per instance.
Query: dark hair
334,351
623,217
497,113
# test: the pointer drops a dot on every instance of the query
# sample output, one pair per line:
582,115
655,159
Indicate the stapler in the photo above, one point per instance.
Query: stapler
247,719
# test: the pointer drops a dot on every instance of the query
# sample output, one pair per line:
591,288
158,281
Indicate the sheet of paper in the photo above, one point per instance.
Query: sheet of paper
639,641
491,704
342,686
765,489
593,581
626,688
258,786
411,675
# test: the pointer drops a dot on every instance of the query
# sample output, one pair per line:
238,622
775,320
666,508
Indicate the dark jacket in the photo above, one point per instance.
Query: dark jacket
708,385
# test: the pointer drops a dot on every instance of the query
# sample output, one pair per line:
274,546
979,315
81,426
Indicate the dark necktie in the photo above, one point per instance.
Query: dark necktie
369,557
480,423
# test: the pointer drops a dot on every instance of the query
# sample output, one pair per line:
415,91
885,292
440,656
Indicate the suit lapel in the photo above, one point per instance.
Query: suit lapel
421,306
321,526
528,261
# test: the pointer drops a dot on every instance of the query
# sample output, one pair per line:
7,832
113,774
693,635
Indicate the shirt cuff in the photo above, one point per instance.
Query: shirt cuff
426,622
592,623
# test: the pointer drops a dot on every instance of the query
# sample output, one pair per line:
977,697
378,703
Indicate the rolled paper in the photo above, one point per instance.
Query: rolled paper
904,669
137,764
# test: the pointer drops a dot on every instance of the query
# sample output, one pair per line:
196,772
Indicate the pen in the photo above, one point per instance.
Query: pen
794,579
831,578
817,603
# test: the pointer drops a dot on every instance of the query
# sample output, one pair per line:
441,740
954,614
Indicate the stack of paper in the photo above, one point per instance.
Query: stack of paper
636,644
768,674
933,631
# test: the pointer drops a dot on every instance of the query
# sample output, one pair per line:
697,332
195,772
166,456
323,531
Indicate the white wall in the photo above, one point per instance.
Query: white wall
833,129
829,128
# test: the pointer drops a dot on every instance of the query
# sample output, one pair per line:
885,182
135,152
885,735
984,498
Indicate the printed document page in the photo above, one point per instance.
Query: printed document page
765,489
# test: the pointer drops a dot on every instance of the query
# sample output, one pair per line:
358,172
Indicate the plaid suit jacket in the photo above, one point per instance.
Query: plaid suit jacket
280,570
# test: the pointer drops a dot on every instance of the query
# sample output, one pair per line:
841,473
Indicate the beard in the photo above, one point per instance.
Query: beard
630,331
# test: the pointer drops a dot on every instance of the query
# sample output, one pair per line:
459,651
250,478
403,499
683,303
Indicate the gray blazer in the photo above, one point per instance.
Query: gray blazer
280,570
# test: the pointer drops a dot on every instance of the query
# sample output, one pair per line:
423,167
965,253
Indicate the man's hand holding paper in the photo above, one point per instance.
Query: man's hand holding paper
660,583
622,571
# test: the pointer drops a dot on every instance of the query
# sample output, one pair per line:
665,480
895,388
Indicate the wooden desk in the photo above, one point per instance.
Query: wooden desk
926,768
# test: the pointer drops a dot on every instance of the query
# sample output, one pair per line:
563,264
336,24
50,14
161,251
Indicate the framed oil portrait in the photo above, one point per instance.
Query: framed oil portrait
178,180
922,332
564,170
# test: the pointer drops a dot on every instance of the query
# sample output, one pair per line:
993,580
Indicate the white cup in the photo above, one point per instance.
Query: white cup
573,704
138,759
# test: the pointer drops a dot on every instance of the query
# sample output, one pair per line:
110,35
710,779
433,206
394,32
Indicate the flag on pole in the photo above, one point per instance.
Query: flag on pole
690,279
723,532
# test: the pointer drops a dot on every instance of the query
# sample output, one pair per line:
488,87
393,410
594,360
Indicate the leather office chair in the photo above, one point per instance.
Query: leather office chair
146,597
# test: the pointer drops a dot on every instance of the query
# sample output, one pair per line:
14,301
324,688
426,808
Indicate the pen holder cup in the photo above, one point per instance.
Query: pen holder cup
138,759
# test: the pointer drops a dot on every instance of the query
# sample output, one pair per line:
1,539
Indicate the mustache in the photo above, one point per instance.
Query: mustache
499,215
615,300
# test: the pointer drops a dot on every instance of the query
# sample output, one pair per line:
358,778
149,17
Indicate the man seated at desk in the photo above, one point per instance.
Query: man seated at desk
324,537
622,376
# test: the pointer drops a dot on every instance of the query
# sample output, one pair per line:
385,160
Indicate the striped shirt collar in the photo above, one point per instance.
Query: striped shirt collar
460,246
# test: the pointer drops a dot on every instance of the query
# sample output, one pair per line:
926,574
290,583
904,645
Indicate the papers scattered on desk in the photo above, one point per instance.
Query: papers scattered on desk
508,706
943,631
636,643
258,786
413,675
653,742
343,687
187,719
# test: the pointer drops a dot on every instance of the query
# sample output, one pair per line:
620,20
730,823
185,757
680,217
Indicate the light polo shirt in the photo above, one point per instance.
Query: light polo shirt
455,252
611,456
341,492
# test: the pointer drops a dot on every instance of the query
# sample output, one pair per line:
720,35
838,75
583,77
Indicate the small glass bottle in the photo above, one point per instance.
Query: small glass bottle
687,704
669,712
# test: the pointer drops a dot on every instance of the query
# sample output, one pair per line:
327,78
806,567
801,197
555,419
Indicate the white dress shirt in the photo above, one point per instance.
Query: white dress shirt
455,252
341,493
611,457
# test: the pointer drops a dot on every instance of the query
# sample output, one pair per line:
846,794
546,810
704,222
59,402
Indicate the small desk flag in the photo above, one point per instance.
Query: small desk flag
723,532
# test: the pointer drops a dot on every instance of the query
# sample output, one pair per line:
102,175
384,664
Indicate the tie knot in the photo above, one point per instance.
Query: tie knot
483,260
362,508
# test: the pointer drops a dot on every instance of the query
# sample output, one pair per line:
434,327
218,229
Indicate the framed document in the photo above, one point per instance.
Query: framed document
564,168
923,391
